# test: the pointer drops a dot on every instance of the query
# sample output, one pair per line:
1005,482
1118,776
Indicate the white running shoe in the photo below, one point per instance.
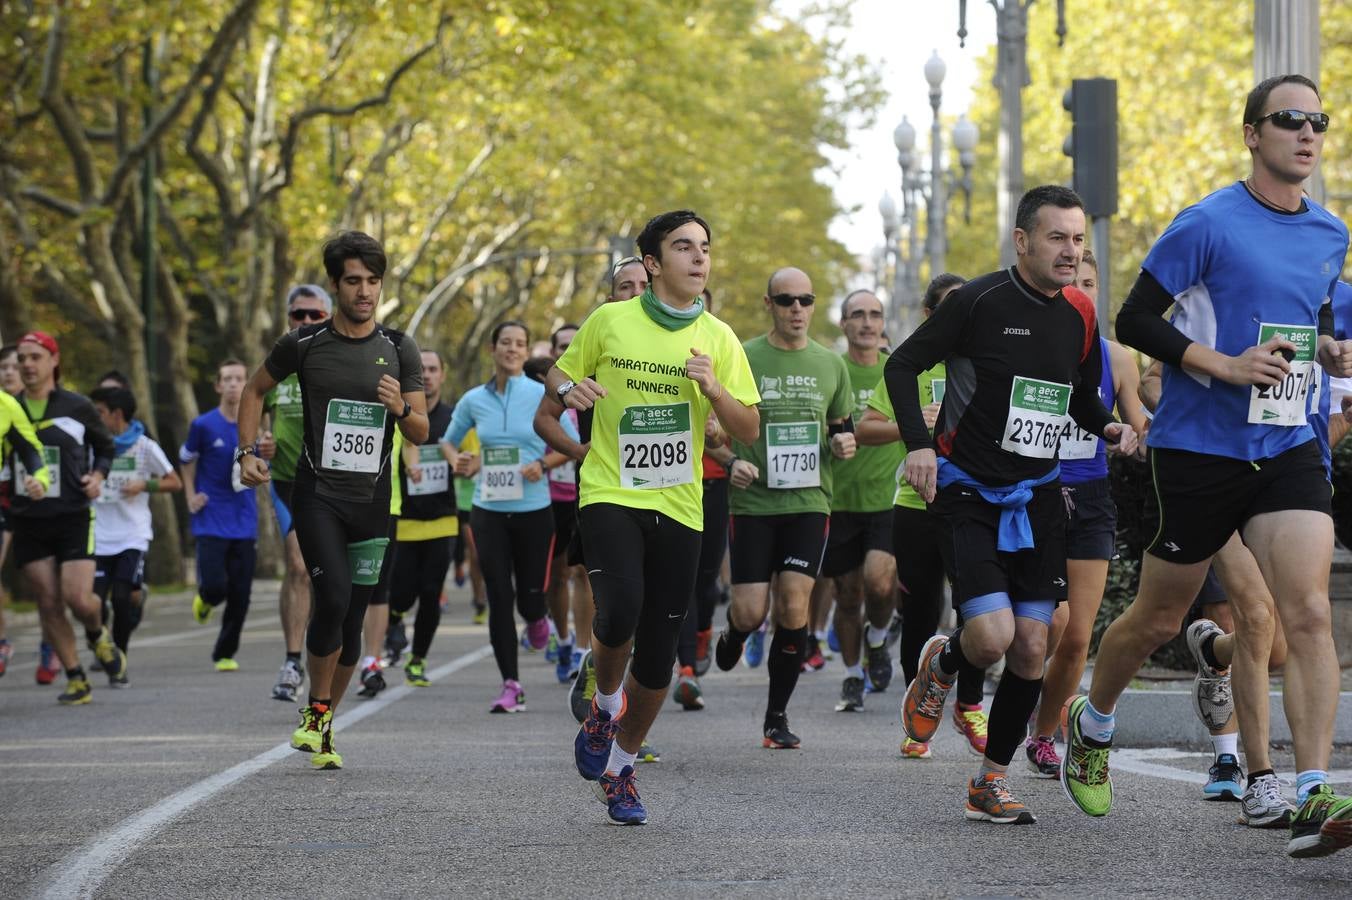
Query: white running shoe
1211,696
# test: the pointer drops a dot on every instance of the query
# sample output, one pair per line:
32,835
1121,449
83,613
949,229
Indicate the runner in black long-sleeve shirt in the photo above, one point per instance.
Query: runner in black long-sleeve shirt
1022,355
54,534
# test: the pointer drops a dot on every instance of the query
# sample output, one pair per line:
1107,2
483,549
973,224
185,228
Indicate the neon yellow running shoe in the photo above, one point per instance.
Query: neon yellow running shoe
415,673
1084,768
314,720
326,757
227,665
77,692
201,611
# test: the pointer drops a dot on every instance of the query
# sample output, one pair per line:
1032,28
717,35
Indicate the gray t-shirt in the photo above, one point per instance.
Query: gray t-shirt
348,432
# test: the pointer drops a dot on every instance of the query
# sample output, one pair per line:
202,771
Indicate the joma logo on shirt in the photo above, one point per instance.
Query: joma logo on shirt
1023,331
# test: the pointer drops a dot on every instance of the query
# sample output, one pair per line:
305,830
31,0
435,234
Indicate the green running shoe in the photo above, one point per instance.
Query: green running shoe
326,757
201,610
77,692
314,721
647,753
415,672
583,689
1084,768
1323,825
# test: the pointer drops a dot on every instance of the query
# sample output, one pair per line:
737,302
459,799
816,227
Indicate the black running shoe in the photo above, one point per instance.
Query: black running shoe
851,695
777,734
727,652
396,641
879,668
372,682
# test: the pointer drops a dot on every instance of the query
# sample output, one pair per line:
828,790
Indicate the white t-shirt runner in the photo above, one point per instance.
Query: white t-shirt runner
122,523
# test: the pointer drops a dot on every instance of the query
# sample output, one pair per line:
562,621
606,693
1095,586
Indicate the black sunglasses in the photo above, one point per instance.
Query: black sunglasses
788,299
314,315
1295,119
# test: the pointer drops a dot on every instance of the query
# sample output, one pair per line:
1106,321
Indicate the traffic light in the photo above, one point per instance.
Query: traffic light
1092,145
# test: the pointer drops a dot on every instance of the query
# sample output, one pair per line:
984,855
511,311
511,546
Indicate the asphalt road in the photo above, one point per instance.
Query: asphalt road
181,786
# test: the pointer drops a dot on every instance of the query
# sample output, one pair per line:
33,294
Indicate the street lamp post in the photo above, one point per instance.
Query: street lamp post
937,206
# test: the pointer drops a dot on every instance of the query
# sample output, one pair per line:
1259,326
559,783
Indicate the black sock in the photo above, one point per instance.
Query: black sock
950,659
1208,651
784,663
1254,776
734,635
77,672
93,636
1015,700
294,657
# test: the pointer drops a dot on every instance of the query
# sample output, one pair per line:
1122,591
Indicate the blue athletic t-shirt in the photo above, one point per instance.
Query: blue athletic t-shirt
211,442
1076,468
1233,265
1342,328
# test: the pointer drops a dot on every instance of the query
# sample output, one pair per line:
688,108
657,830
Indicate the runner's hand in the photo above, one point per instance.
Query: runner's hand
700,368
584,395
388,393
267,444
1347,408
1121,438
921,471
1336,357
133,487
466,464
34,487
252,472
92,484
533,471
742,474
842,445
414,474
196,501
1142,453
1262,365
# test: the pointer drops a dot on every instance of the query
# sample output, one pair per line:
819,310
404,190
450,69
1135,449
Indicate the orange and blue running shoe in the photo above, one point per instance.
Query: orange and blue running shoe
923,706
989,800
591,747
620,794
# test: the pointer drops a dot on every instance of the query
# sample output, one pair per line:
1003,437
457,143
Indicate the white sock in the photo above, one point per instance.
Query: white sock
1226,743
1097,726
876,636
552,629
611,703
855,671
820,636
619,759
367,662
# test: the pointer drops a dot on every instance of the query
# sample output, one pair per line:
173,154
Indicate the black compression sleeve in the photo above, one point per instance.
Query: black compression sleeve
1326,319
1140,323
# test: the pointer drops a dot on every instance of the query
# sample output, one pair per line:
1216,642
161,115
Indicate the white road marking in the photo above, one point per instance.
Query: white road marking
82,873
1141,762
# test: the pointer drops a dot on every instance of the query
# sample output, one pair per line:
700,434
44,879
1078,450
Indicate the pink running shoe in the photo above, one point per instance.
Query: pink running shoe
512,699
537,633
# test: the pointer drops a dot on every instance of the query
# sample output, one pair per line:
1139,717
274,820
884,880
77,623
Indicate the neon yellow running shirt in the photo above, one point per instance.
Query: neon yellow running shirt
648,431
931,384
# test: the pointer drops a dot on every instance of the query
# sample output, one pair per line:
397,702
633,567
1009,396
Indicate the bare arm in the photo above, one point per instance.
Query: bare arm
252,470
550,429
1126,385
875,429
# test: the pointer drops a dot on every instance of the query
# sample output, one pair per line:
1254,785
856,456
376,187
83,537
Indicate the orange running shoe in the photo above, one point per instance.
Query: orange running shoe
989,800
923,706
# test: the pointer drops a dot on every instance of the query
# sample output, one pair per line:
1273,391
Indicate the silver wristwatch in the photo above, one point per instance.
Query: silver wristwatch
562,390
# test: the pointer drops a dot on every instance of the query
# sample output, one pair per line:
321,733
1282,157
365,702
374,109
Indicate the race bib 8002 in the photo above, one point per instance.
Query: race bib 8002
500,475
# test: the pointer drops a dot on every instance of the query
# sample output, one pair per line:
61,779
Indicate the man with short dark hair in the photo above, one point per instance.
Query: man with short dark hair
1022,354
661,364
1249,271
359,381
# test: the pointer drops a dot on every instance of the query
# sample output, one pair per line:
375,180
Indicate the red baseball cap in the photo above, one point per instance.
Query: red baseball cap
46,342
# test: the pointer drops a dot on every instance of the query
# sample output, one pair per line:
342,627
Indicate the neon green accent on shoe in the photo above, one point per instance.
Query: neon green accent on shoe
113,659
647,753
309,737
77,692
1084,769
415,673
1322,825
326,757
200,610
480,616
227,665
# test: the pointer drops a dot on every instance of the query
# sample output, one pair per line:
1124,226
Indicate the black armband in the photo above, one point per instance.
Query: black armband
1326,319
844,426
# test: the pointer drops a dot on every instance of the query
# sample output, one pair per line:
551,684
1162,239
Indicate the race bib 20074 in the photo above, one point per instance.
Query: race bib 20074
1287,404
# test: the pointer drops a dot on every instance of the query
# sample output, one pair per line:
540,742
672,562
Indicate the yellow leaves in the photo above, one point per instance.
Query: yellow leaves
504,25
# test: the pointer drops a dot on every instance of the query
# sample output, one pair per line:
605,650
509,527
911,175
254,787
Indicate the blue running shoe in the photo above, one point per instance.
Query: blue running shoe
755,647
621,798
591,747
1225,780
552,648
832,639
563,663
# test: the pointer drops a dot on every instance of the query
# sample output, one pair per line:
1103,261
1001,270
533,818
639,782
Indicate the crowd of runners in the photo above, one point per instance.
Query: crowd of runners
606,490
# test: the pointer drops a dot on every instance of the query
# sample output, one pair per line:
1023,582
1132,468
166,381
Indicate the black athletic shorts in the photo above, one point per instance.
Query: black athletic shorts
1091,529
68,537
969,530
565,525
852,536
127,567
1203,498
760,546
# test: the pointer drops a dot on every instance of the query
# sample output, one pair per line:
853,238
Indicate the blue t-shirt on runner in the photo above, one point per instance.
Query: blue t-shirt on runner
211,442
505,425
1232,266
1076,466
1319,418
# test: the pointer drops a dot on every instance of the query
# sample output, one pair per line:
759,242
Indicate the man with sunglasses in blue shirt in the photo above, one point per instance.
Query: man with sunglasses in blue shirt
1249,271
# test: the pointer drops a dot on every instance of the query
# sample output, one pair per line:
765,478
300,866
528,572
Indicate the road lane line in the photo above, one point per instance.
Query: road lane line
81,873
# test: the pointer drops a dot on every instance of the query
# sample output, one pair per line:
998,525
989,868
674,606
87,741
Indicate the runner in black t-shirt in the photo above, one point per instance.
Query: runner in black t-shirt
359,381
